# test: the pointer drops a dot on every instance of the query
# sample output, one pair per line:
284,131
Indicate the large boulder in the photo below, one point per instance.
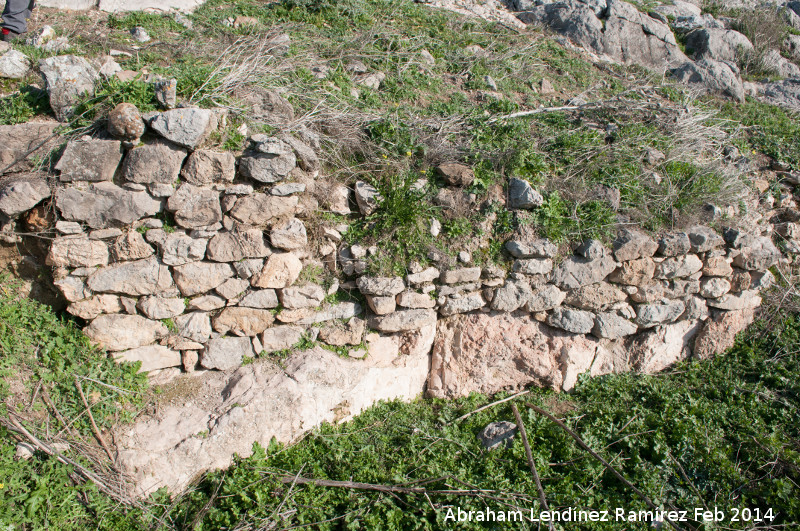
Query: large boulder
488,353
262,400
105,204
784,93
633,37
718,44
718,334
625,34
712,76
68,78
662,346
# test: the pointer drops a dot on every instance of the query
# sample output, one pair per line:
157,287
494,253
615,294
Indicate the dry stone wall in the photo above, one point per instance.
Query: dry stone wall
191,260
220,281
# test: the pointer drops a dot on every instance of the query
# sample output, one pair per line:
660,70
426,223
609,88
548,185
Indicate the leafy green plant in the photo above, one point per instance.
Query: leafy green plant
770,130
21,107
401,222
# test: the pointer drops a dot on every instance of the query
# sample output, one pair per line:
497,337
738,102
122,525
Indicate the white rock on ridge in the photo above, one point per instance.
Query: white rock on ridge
188,127
67,78
14,65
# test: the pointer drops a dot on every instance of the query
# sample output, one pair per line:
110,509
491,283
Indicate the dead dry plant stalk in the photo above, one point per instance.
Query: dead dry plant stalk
248,61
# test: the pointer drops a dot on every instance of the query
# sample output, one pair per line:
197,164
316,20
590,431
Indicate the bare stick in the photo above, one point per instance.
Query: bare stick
487,406
524,435
91,418
605,463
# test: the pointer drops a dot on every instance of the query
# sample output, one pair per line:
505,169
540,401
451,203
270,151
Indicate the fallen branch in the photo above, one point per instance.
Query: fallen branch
605,463
487,406
523,434
540,110
13,425
95,430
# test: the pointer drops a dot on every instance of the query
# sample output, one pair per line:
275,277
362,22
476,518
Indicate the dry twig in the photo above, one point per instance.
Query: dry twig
523,434
95,430
487,406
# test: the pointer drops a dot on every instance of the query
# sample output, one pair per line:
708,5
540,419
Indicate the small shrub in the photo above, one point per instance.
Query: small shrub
767,30
21,107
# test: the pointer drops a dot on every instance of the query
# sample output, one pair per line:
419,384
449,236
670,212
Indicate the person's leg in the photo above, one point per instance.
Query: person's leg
15,15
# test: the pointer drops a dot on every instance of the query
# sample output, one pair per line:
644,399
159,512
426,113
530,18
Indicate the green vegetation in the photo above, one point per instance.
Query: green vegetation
720,433
41,358
769,129
21,107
